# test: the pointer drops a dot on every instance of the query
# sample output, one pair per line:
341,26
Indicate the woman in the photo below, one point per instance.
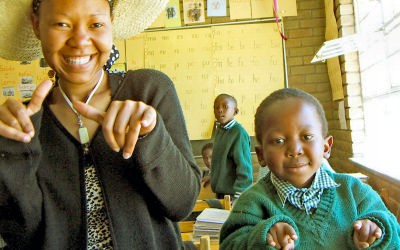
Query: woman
100,161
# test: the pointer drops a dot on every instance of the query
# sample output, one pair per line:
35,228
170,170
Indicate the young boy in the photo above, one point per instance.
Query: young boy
232,171
206,153
300,204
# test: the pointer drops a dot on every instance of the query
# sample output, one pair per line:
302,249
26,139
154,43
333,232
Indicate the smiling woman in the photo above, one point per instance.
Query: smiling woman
84,161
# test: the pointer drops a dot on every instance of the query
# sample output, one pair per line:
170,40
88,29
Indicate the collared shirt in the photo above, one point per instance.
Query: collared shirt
228,125
304,198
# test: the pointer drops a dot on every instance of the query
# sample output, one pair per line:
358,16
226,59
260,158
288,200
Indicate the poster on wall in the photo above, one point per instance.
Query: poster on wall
239,9
8,91
172,12
193,11
26,87
19,80
261,8
216,7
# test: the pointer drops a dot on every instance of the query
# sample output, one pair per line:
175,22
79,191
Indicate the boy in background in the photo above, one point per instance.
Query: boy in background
206,153
232,171
300,204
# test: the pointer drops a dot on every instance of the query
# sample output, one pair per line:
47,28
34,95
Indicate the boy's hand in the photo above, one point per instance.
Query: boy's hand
281,236
365,233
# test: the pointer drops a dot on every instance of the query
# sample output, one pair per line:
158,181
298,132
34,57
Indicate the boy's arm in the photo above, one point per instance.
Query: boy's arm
242,160
371,207
247,228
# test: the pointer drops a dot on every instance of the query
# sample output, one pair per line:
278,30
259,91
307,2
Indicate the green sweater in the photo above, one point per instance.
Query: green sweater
232,170
329,227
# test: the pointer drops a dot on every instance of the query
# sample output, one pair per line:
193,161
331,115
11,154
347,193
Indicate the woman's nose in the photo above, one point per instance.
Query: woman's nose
79,37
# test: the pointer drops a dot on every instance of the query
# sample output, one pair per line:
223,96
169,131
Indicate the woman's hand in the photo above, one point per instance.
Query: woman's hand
122,123
15,121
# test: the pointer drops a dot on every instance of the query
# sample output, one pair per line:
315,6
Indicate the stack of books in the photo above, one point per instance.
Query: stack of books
209,222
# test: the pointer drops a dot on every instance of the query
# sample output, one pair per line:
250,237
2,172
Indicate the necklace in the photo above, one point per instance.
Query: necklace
82,130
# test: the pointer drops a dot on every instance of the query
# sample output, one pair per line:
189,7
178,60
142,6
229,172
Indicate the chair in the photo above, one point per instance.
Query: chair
206,192
205,242
384,194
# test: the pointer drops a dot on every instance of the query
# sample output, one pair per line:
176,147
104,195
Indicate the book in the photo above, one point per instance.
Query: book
209,222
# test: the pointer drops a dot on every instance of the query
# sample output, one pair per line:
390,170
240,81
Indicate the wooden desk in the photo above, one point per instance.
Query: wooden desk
188,237
186,227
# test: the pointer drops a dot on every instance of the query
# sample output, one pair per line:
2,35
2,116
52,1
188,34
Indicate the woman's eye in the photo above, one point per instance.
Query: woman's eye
308,137
97,25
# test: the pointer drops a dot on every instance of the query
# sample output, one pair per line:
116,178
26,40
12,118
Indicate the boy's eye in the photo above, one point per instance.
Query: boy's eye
279,140
62,25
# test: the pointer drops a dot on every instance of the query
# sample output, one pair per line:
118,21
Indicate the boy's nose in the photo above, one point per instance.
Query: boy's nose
294,149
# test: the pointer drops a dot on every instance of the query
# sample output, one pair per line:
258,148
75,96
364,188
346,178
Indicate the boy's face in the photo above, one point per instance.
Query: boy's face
207,154
224,109
292,144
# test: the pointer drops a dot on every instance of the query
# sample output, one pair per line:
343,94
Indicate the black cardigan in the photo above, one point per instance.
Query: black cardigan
41,189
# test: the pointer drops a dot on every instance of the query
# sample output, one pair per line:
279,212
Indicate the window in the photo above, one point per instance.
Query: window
380,84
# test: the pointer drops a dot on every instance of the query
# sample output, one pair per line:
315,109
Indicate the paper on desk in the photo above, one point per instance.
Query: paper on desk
214,215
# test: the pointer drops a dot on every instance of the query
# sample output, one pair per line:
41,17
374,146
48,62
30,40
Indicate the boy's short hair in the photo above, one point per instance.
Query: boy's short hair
231,97
207,146
283,94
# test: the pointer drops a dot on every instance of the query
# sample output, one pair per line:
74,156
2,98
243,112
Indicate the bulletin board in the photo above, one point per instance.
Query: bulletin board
19,79
243,60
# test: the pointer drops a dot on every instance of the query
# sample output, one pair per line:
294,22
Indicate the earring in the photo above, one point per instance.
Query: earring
52,75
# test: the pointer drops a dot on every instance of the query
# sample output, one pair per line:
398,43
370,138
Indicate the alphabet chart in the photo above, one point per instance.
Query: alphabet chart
243,60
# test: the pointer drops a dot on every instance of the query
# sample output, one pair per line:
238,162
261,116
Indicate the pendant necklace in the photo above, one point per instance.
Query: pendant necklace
82,130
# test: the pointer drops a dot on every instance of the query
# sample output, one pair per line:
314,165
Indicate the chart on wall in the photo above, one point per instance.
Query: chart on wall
243,60
19,79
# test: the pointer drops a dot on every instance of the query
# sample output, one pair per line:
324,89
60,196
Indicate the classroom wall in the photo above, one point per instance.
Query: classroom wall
305,34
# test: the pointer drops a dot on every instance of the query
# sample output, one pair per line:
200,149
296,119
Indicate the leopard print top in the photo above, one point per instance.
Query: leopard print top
98,225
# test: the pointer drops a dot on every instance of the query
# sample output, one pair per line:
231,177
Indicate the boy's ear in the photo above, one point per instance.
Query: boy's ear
328,146
236,111
260,156
35,25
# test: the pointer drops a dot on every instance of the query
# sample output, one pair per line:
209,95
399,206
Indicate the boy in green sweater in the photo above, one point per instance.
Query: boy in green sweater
299,204
206,154
232,171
